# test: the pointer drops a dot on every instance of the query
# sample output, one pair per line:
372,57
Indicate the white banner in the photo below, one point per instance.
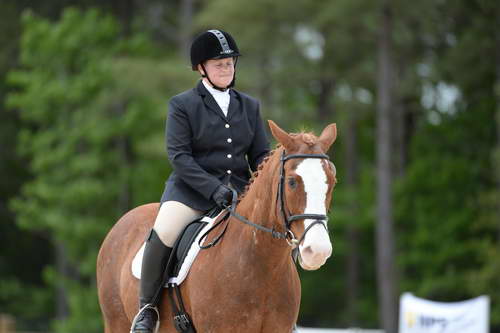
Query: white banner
418,315
332,330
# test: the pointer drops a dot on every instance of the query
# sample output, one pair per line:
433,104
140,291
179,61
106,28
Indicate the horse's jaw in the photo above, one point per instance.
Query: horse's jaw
316,248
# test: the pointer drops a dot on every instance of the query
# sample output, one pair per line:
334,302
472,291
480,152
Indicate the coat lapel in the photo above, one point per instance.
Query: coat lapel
210,102
234,104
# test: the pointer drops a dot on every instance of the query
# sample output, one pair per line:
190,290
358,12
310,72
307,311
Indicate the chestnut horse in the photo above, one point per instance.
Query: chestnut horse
248,282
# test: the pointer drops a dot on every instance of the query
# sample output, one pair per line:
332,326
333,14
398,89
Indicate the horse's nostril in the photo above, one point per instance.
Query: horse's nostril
312,251
307,250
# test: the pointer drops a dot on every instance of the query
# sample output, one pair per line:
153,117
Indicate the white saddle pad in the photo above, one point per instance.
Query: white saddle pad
192,253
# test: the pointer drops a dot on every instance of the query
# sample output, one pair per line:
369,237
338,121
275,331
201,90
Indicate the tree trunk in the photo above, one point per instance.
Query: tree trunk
63,270
186,28
124,147
353,257
124,10
325,108
386,277
265,86
496,157
123,142
400,144
127,158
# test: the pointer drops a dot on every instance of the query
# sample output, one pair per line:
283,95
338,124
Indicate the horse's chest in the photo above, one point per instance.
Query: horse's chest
240,305
242,294
261,318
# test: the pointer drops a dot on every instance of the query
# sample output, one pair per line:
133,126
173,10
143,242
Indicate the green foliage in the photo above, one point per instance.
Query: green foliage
446,247
90,132
27,301
90,127
448,200
444,209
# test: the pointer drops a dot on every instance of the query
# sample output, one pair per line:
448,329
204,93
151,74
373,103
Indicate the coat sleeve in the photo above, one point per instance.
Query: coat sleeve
260,145
179,140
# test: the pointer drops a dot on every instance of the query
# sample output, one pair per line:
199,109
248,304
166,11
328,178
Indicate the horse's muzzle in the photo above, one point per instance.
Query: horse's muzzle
316,248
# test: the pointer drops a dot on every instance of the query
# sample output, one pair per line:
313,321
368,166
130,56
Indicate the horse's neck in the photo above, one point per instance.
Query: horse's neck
259,205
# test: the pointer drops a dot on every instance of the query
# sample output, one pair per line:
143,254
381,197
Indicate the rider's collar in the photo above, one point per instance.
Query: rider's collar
213,91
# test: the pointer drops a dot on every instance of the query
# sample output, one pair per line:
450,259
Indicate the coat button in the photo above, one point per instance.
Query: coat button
229,155
228,172
229,140
227,126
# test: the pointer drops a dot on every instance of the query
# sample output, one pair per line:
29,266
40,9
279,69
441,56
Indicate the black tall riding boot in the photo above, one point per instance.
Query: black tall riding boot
154,261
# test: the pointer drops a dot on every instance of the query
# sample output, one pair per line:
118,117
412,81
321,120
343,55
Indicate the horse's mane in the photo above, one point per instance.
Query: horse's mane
255,174
308,138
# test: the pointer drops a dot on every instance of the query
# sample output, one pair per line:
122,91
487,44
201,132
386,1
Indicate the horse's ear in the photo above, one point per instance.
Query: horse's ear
328,136
280,135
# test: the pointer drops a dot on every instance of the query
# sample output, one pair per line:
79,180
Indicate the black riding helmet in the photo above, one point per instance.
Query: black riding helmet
213,44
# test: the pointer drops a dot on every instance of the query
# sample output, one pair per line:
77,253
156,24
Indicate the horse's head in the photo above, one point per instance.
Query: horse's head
308,182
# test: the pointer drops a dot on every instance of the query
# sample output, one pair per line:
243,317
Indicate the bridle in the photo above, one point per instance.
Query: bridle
288,219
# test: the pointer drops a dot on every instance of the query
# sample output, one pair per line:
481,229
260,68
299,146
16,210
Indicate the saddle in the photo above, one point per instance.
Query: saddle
184,245
181,249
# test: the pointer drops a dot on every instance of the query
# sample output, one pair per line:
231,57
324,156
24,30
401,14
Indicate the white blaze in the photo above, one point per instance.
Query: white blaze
316,247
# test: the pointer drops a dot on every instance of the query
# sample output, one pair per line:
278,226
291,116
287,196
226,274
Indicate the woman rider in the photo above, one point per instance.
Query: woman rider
214,136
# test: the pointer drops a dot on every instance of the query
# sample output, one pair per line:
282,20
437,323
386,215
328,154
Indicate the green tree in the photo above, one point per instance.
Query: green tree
90,96
19,283
447,210
93,111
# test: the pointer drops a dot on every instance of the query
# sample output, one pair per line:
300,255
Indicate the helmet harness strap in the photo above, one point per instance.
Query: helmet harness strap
205,74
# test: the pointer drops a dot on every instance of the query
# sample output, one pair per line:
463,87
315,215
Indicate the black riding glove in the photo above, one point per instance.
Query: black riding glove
223,196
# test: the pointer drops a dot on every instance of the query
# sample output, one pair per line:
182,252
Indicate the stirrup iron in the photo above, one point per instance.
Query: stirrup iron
147,306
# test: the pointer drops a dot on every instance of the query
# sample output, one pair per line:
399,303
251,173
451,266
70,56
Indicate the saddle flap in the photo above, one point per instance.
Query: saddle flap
183,244
184,253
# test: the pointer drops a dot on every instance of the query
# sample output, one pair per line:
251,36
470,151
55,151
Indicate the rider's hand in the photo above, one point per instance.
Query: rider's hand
223,196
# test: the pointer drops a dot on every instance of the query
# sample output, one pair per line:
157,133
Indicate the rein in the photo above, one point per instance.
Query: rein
287,217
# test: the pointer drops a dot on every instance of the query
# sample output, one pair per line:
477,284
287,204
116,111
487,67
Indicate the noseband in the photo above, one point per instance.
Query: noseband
288,219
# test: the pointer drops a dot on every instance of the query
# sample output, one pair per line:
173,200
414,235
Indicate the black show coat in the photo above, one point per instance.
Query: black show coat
207,149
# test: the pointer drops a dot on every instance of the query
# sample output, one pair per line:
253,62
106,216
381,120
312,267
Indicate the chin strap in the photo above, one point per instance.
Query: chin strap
213,84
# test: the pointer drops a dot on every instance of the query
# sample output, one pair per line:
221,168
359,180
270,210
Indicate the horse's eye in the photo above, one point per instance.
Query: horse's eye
292,183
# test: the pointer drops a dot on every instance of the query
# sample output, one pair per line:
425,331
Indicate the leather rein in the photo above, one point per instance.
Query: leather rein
287,217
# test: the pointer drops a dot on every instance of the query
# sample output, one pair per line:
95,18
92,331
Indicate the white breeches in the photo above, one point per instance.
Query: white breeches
171,220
